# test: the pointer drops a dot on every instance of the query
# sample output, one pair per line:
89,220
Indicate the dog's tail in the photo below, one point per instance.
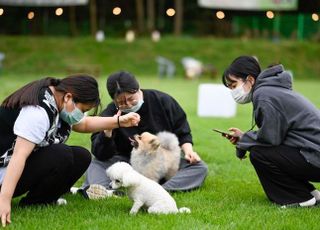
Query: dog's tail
184,210
168,140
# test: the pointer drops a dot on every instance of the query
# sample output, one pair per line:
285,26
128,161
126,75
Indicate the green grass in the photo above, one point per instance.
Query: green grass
231,197
61,55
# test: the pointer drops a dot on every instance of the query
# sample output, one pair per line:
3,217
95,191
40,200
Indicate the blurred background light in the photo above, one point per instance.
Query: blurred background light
59,11
170,12
1,11
220,15
315,17
270,14
30,15
116,11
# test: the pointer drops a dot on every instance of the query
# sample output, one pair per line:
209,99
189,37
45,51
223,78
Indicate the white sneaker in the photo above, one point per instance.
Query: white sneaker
316,194
308,203
96,191
61,201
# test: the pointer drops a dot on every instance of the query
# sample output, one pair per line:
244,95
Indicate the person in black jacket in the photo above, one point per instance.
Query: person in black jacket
158,112
285,150
35,122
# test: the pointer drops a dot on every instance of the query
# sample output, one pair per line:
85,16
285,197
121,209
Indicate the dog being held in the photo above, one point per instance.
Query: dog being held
142,190
156,156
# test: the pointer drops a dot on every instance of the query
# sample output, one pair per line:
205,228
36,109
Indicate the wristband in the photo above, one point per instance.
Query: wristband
118,120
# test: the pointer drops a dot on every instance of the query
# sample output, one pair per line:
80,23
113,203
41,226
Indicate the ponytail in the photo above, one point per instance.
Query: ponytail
28,94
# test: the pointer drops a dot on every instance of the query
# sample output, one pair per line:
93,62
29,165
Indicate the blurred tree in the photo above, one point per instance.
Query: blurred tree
73,21
178,19
93,17
151,15
140,15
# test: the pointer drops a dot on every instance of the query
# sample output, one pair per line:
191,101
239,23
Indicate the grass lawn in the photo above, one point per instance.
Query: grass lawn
231,197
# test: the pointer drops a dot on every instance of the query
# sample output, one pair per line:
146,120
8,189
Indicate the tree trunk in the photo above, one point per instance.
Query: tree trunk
140,15
73,21
151,15
178,18
93,17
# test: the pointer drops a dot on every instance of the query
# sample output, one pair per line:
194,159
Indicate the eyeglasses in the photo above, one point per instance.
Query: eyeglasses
126,100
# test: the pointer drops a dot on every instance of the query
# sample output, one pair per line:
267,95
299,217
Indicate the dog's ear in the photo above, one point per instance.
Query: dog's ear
154,143
130,179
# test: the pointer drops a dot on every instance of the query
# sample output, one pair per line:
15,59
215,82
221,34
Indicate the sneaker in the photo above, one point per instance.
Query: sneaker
96,192
61,201
309,203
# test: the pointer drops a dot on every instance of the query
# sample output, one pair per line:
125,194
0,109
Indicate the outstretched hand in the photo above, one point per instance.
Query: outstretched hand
128,120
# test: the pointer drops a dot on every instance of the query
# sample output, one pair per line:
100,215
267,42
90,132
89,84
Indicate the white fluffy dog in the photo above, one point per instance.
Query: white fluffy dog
156,156
143,191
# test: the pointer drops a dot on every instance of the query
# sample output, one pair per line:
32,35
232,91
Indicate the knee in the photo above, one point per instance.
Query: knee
203,168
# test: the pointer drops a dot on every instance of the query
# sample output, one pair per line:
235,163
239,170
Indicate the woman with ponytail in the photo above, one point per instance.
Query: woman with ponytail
35,122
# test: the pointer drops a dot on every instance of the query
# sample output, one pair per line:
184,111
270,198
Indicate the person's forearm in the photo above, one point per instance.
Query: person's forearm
12,176
96,124
187,147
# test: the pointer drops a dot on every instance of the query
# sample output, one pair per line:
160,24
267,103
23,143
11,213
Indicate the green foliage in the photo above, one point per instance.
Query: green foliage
61,55
231,197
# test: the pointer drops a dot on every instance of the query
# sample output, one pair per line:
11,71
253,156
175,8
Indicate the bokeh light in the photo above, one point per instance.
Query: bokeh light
270,14
1,11
315,17
30,15
220,15
170,12
59,11
116,11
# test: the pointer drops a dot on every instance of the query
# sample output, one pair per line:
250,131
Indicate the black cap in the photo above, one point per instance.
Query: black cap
120,82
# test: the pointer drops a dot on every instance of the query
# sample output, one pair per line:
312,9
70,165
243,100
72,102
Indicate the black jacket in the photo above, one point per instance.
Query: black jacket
159,112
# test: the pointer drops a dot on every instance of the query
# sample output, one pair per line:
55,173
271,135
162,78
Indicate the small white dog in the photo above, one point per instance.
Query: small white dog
156,156
142,190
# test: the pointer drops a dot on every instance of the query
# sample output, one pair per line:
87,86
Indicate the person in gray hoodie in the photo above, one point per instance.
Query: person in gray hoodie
285,150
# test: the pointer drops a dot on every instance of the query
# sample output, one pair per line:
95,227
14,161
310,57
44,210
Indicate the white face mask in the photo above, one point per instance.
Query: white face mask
240,95
134,108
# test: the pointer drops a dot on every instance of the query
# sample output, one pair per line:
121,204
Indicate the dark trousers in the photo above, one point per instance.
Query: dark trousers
50,172
284,173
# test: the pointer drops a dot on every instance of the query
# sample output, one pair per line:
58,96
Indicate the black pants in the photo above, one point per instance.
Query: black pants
284,173
50,172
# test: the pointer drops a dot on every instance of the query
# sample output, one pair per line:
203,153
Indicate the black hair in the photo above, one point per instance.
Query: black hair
84,89
241,67
121,82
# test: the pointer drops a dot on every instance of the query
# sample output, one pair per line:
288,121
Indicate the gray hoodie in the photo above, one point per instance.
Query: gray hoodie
283,117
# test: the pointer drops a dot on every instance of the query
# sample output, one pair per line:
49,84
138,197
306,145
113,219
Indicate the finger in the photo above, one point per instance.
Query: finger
3,220
9,218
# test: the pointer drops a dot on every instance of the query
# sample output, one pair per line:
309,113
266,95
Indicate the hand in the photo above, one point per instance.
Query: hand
235,135
130,119
5,210
192,157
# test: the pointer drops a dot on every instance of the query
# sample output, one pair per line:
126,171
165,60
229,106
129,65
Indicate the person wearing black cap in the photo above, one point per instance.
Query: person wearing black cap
285,150
158,112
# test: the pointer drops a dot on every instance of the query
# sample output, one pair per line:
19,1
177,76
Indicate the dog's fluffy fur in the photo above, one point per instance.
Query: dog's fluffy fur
142,190
156,156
